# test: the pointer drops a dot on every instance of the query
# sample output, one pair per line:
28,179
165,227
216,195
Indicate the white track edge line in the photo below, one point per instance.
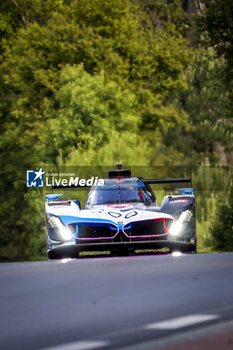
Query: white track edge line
80,345
183,321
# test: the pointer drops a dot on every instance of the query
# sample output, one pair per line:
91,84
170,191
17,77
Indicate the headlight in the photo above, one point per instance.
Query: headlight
178,225
56,230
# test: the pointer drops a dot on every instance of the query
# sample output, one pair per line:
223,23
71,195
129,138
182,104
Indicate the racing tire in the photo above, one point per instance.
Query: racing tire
53,255
191,249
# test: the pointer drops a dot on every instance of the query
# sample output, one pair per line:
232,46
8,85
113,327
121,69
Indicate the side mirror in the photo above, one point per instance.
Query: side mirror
78,204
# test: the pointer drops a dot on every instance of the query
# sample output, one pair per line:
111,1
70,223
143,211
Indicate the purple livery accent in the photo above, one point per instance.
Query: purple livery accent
147,236
94,238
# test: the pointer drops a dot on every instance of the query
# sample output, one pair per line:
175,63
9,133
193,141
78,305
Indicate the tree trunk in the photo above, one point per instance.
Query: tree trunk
194,6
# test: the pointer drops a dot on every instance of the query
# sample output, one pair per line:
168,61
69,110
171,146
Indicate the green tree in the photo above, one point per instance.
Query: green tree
127,147
206,101
17,13
163,12
222,229
91,109
217,22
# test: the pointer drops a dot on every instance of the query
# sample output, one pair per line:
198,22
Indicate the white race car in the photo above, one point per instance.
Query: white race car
121,216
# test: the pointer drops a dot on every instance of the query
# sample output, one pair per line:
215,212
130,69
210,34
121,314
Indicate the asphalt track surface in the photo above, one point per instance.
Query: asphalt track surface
113,303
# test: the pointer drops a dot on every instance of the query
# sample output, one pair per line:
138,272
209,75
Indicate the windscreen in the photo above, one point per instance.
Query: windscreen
119,193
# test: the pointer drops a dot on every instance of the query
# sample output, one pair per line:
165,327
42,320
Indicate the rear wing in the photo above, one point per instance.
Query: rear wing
167,181
183,191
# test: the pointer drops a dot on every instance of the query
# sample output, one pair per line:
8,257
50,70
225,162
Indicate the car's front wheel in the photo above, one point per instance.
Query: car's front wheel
57,255
189,249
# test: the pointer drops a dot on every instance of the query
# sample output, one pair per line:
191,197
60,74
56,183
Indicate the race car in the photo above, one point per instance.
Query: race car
121,216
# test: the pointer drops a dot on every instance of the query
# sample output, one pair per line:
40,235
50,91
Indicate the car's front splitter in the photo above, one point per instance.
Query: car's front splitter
73,251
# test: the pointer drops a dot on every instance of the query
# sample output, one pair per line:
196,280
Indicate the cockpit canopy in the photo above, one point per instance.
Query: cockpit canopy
120,191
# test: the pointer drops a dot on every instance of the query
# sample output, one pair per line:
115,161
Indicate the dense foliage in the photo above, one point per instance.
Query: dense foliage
217,25
93,82
223,225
